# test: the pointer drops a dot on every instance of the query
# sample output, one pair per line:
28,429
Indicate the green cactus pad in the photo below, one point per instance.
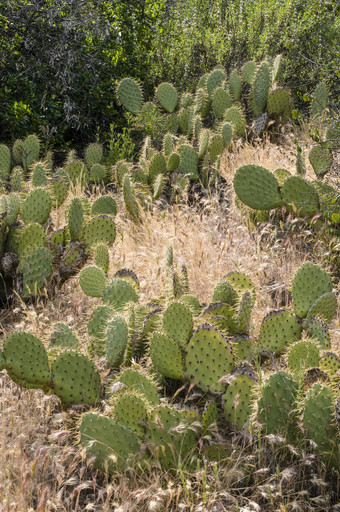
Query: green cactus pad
99,229
98,322
244,312
242,346
276,406
170,444
129,410
97,173
77,173
278,330
227,133
32,237
215,79
2,361
317,329
118,293
260,89
39,175
203,143
36,270
222,316
298,192
188,161
13,207
257,187
324,307
92,281
128,276
5,162
129,94
157,166
116,340
63,336
202,103
208,358
192,303
173,162
209,416
241,283
187,99
216,147
235,84
178,323
26,360
318,421
235,117
111,443
167,96
172,123
166,356
224,292
58,190
221,101
75,218
75,379
320,100
17,178
101,257
249,72
136,381
238,400
93,154
168,144
36,207
303,355
309,283
330,363
131,204
321,160
280,103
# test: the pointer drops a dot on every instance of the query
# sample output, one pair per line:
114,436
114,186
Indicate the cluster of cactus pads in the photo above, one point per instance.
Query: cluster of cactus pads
197,127
45,236
175,340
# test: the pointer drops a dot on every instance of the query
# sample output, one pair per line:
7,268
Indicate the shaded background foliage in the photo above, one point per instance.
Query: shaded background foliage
61,60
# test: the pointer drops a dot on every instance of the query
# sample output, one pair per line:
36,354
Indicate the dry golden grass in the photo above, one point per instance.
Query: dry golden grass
41,468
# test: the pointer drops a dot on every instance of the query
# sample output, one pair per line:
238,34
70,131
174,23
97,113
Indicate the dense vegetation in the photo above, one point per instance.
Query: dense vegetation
60,61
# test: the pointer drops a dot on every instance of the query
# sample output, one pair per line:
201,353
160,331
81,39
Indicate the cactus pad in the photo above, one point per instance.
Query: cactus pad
130,410
257,187
278,330
111,443
166,356
129,94
167,96
309,283
209,416
321,160
36,207
221,101
209,357
63,336
238,400
177,323
26,360
75,379
118,293
99,229
92,281
303,355
324,307
136,381
298,192
37,269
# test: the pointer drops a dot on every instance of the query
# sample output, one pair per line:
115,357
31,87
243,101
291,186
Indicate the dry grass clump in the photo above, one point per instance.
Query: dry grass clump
41,468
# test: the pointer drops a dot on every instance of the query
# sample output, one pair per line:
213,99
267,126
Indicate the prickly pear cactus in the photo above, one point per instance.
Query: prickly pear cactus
166,356
170,445
238,400
111,444
75,218
138,382
188,161
101,257
104,205
93,154
260,89
249,72
317,329
178,323
208,357
39,175
26,360
5,162
36,269
75,379
324,307
32,237
241,283
256,187
321,160
92,281
167,96
298,193
129,94
36,207
130,410
302,355
118,293
320,100
277,404
330,363
235,117
214,80
220,102
280,103
130,201
116,341
224,292
309,283
209,416
99,229
278,330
